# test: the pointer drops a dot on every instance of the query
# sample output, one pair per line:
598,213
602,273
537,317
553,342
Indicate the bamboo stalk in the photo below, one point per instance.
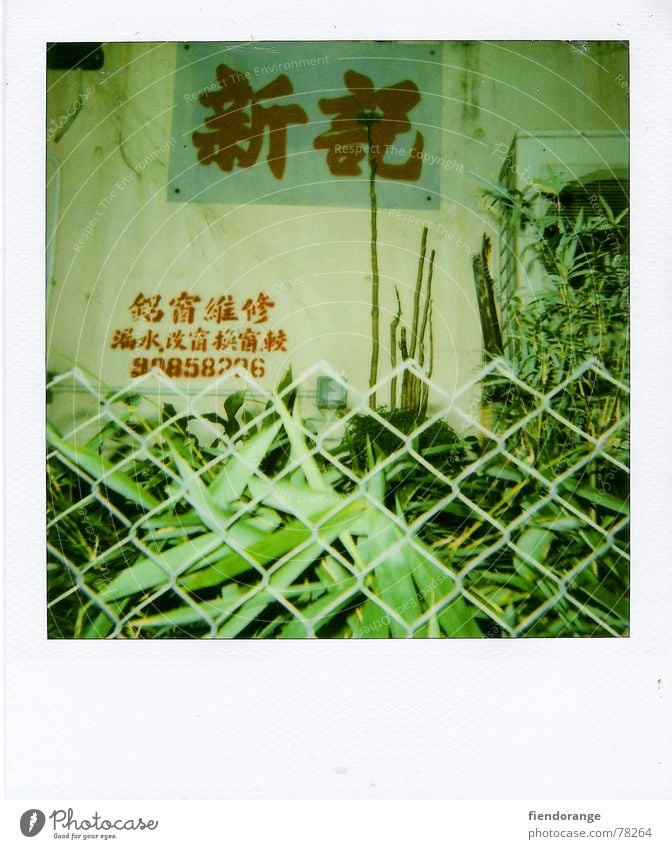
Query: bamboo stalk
418,287
393,350
414,392
428,300
404,400
375,287
430,369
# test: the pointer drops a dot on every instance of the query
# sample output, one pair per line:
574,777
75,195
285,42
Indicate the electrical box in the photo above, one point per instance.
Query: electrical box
331,394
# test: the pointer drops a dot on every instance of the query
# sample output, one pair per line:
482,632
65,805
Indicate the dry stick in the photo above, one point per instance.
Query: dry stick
492,340
428,299
422,387
375,290
490,289
402,344
424,395
418,287
404,380
413,400
430,368
413,391
393,351
481,296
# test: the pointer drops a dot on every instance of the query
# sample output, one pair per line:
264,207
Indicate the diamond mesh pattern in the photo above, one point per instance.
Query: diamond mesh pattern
174,514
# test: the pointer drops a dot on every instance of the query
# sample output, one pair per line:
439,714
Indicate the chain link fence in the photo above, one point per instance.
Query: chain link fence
502,512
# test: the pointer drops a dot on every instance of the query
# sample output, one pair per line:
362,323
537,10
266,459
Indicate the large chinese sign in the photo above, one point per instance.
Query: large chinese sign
307,123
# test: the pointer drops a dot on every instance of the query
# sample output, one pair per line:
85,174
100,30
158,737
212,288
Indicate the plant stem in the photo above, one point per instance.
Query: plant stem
418,287
405,380
375,291
393,351
428,302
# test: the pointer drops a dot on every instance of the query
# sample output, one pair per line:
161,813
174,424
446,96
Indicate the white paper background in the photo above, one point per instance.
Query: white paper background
484,719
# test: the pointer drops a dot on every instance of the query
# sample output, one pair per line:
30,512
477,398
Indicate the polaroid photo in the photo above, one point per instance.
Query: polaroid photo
323,333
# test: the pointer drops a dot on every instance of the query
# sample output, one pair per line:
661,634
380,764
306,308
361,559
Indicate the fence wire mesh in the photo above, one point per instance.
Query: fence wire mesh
502,512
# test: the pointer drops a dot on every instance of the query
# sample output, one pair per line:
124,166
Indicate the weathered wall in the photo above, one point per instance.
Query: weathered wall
116,234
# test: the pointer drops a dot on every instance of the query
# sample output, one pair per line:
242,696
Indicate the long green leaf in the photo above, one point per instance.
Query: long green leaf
102,624
274,546
103,471
618,505
198,495
534,543
231,406
396,562
373,624
162,567
457,619
300,452
148,573
231,481
238,620
300,500
315,613
187,615
281,543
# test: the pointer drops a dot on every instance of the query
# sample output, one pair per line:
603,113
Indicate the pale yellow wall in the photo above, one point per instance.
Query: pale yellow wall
315,262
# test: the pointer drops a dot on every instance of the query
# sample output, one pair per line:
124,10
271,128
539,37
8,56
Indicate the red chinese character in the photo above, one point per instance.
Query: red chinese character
176,340
199,339
226,340
183,308
150,340
257,311
239,117
124,339
147,308
221,309
249,340
366,122
275,341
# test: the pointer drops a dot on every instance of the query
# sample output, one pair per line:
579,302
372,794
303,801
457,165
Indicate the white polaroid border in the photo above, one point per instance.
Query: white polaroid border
445,719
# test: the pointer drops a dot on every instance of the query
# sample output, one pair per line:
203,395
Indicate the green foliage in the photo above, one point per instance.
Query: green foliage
389,431
220,543
413,396
569,342
579,313
580,307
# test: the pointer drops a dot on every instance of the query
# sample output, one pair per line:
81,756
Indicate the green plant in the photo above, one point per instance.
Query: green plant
561,402
368,119
228,543
414,394
578,314
157,532
386,432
